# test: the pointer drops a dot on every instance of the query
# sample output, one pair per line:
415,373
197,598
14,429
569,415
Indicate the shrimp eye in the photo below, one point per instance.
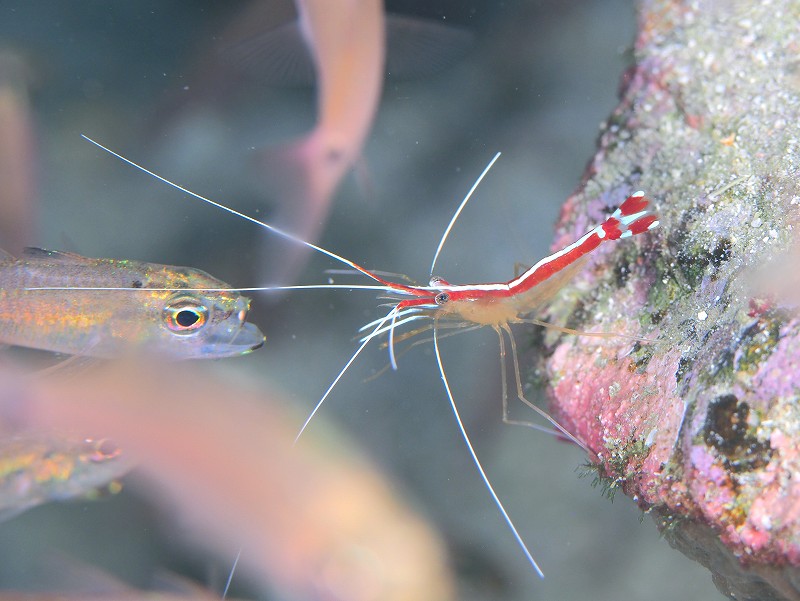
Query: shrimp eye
185,315
441,298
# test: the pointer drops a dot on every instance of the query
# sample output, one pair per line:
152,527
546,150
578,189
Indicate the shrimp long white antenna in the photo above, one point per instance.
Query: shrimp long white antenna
232,289
477,462
392,326
459,209
271,228
341,373
230,575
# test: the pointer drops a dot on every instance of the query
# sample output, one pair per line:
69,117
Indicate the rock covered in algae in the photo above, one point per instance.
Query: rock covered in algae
700,424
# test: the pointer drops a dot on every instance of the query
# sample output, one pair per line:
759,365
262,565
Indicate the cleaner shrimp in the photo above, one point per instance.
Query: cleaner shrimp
464,307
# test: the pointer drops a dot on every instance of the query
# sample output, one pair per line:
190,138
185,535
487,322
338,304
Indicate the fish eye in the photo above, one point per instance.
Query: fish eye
441,298
101,450
186,318
185,315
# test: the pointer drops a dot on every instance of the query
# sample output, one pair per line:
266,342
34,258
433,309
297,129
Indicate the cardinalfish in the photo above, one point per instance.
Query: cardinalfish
35,470
176,312
468,306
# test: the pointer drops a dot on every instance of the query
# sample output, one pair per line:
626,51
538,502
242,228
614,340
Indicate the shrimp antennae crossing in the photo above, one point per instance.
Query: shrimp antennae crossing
341,373
495,304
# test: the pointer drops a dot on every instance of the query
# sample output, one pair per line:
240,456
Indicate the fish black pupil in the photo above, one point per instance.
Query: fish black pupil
186,318
137,283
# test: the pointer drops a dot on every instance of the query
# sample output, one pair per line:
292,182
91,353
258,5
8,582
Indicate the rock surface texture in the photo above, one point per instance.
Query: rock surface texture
701,424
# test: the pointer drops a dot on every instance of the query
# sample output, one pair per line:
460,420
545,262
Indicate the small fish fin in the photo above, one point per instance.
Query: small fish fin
6,257
279,57
414,48
421,47
287,168
305,172
71,365
34,252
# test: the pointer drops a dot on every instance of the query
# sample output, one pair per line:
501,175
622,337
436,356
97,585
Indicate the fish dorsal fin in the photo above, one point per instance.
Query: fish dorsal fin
418,48
279,56
34,252
6,257
415,48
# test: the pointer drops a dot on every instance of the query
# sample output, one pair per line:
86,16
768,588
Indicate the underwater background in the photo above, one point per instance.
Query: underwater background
536,83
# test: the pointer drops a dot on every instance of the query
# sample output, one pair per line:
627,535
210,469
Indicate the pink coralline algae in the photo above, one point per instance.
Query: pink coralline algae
694,410
615,410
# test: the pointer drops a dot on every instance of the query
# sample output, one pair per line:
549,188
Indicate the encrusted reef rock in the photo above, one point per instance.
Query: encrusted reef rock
700,421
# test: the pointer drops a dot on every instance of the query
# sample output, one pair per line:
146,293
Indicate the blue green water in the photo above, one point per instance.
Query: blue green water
539,80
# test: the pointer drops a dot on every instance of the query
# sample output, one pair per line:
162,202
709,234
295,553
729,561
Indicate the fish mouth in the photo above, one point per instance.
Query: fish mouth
249,335
229,341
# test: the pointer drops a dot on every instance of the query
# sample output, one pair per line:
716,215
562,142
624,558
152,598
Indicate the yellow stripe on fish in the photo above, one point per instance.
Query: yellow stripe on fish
169,311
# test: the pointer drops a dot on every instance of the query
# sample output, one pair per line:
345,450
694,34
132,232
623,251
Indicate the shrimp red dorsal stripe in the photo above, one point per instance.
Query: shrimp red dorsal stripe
634,216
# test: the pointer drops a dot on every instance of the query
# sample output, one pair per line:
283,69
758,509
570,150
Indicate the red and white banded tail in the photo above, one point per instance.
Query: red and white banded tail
634,216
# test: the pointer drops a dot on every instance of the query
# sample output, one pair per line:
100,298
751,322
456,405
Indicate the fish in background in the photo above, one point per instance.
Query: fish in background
136,317
18,156
346,42
344,48
36,469
313,521
63,578
142,312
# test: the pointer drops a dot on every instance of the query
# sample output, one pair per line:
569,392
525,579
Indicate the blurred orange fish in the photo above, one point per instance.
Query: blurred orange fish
17,153
347,43
138,311
344,50
316,522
